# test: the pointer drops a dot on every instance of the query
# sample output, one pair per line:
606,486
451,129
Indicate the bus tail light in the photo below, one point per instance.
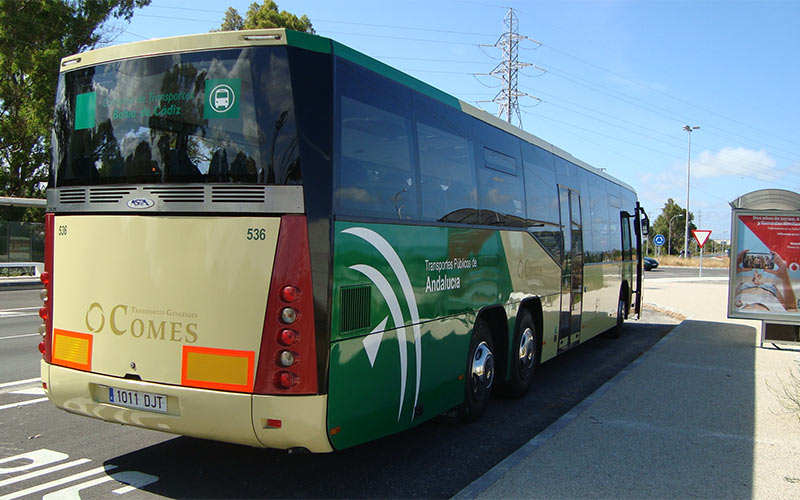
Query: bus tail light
46,312
289,319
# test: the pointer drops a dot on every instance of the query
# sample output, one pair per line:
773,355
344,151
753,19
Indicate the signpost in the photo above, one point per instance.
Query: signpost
658,241
701,236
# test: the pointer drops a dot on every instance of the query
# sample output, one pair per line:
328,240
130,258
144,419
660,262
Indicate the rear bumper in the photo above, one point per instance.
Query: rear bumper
222,416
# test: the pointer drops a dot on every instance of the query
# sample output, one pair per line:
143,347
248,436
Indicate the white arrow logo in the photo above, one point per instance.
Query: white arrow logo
373,344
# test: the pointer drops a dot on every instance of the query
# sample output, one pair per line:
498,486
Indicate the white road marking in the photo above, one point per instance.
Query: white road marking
31,475
34,391
19,382
38,459
17,312
20,336
58,482
14,309
35,459
23,403
132,479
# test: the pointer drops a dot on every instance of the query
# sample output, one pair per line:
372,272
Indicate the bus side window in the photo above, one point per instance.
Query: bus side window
447,174
376,174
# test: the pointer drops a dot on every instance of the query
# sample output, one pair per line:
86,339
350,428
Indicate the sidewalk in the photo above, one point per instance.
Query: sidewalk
696,416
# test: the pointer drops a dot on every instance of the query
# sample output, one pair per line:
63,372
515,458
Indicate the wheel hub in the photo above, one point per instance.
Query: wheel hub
482,371
527,349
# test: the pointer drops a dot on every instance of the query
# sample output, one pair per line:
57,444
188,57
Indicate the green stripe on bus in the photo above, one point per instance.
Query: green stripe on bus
308,42
371,64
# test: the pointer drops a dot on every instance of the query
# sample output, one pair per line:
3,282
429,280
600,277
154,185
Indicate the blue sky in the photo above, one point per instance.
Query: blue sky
618,79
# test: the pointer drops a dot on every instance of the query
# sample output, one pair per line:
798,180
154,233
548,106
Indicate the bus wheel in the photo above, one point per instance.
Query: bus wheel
524,356
621,305
480,372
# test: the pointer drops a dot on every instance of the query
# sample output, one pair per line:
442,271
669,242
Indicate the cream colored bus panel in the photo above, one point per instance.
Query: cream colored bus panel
218,415
167,299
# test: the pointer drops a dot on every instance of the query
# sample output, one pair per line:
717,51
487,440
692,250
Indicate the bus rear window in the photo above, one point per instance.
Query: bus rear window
202,117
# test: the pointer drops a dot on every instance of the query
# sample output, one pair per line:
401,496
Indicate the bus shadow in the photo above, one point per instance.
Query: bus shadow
689,403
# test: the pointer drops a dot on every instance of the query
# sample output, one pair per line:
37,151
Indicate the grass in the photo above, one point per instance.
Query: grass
708,261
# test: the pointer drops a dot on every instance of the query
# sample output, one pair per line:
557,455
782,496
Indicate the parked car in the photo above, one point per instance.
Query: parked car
650,263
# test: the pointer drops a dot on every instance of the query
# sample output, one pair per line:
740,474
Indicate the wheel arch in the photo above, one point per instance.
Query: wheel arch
534,306
497,320
625,291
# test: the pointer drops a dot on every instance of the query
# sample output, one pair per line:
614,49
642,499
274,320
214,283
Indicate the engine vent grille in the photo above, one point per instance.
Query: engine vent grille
237,194
188,198
178,194
72,195
355,313
108,194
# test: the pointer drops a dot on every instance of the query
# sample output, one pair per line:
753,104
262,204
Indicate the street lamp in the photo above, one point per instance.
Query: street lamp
689,129
669,233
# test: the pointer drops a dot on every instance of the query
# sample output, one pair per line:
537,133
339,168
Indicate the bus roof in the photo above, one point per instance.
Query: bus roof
280,36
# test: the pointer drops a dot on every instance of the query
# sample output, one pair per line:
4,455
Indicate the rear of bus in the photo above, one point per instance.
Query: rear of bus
179,279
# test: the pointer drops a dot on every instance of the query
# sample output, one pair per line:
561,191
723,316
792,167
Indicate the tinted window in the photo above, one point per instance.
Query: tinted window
598,218
540,185
501,192
221,116
375,173
447,167
614,251
501,195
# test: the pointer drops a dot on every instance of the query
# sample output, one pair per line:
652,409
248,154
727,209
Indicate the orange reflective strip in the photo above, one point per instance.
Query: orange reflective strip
224,369
72,349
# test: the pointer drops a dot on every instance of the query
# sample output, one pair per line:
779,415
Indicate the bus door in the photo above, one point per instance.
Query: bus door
571,268
627,250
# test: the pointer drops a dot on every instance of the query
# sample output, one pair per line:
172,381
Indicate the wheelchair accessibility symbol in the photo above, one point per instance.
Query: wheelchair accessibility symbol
221,98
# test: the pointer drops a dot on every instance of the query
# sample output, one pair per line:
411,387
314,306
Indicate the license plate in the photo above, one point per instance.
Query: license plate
137,399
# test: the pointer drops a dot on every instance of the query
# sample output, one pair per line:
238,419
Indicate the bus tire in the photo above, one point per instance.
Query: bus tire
621,308
480,372
524,355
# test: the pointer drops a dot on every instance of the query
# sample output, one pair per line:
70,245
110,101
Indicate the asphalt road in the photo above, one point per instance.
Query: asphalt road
19,334
45,451
686,272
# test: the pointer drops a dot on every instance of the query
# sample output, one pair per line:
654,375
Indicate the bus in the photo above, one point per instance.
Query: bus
268,238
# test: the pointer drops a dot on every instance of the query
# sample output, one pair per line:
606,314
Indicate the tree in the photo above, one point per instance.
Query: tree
265,15
677,215
34,36
232,21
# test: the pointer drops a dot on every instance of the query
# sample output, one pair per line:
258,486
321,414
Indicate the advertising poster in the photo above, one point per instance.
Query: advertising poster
765,266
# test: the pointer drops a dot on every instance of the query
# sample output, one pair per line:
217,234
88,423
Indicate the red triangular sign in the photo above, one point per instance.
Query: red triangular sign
701,236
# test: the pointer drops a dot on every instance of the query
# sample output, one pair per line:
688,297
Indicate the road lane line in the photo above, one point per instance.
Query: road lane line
32,308
31,475
58,482
20,336
19,382
132,479
23,403
33,391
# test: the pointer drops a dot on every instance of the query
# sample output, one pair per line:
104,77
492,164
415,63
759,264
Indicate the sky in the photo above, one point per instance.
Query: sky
611,82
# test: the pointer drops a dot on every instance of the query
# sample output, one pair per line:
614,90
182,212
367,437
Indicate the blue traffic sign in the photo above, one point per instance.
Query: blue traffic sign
659,240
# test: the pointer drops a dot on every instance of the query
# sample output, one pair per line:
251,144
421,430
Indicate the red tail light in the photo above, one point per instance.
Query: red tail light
46,312
290,302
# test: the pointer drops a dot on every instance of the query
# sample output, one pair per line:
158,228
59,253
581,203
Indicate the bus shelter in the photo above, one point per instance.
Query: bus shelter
764,275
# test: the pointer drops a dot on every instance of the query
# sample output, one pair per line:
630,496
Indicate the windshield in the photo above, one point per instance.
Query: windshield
201,117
